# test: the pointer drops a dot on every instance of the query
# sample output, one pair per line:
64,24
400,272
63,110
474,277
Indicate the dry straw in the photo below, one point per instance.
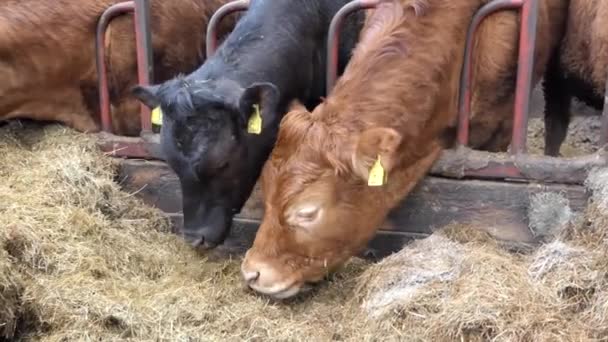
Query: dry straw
81,260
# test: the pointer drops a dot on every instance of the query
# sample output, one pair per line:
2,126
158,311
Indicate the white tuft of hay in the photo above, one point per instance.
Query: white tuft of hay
597,182
548,214
553,256
429,262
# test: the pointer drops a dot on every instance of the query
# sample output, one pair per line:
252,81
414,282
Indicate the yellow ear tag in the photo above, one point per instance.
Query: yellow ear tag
255,121
157,116
377,175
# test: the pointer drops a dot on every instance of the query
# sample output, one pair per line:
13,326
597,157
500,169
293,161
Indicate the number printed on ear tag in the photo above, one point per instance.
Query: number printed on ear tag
254,126
377,174
157,116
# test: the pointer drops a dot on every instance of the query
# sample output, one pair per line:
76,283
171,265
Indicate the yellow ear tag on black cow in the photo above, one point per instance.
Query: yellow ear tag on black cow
254,126
157,116
377,174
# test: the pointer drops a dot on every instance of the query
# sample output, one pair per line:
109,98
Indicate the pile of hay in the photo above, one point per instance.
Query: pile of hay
82,260
460,284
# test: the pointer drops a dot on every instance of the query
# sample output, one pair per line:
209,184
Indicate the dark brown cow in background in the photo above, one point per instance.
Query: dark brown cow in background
394,105
580,69
47,57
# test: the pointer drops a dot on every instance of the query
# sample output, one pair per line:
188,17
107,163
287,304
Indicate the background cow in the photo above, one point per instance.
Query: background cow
275,54
394,105
47,57
579,69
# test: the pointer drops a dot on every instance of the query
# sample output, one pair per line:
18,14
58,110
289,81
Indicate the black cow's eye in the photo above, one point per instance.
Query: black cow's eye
223,166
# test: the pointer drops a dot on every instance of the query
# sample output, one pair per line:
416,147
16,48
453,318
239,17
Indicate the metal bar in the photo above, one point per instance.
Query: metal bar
104,93
523,90
143,40
333,38
231,7
466,75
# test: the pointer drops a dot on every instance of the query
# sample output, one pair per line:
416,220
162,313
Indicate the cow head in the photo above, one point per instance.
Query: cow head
319,209
206,141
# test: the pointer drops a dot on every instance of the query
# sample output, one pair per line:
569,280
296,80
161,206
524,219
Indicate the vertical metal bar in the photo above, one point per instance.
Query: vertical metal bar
212,27
102,74
143,39
333,38
527,43
466,76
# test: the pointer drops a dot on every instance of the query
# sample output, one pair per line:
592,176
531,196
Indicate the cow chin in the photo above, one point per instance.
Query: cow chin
279,279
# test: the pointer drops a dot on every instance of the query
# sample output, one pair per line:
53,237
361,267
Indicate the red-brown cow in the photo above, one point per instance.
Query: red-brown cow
393,105
580,68
47,57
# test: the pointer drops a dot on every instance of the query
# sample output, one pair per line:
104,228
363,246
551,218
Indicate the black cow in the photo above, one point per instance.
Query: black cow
275,54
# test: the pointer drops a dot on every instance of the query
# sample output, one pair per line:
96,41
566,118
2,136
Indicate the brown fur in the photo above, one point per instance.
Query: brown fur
396,98
47,57
580,68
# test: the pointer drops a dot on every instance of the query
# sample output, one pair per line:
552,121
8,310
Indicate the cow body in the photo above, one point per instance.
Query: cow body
395,105
47,57
275,54
579,69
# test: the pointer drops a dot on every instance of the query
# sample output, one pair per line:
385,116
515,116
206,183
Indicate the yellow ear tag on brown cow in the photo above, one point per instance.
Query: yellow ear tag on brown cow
254,126
377,174
157,116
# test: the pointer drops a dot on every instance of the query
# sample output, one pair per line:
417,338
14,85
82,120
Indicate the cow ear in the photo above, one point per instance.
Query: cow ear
376,154
148,95
259,103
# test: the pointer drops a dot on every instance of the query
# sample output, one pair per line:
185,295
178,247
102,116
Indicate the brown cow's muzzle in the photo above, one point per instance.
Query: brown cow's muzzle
271,277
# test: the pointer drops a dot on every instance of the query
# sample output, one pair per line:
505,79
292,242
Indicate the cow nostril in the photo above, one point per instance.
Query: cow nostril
250,277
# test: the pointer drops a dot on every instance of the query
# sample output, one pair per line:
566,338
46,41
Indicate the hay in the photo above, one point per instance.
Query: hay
549,213
82,260
97,264
11,292
558,292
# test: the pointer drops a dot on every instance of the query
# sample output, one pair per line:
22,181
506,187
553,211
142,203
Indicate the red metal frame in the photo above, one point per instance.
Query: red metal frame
123,146
140,10
462,162
518,165
216,18
102,73
333,38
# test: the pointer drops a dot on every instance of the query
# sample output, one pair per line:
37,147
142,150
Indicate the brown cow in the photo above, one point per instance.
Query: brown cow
394,103
580,69
47,57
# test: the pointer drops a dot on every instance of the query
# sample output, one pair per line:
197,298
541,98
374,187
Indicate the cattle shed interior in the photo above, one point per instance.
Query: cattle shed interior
506,246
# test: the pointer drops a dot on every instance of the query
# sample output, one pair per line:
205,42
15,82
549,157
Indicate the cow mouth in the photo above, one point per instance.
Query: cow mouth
286,292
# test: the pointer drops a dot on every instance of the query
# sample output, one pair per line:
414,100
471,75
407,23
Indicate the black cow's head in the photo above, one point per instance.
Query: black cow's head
206,141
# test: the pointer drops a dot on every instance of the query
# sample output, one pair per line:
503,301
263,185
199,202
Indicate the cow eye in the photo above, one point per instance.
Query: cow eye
305,215
308,213
221,167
